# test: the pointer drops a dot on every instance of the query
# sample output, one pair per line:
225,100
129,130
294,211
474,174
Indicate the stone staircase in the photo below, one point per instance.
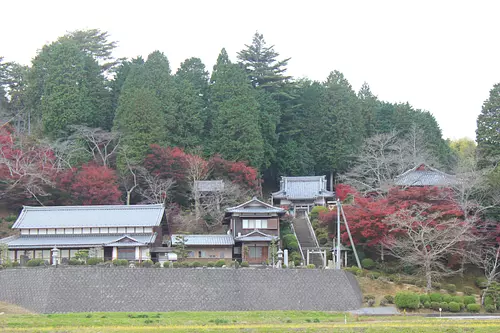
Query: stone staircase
306,238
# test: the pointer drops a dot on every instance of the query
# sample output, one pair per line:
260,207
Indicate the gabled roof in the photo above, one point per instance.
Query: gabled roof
209,185
424,175
125,240
193,240
256,236
64,241
255,206
90,216
308,187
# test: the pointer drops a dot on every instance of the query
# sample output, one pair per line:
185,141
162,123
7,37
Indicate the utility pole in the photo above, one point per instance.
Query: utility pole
337,263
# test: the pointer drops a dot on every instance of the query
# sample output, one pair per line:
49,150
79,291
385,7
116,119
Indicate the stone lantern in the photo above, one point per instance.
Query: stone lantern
55,256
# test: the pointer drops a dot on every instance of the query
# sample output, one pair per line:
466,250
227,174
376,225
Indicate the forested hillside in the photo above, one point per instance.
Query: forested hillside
245,110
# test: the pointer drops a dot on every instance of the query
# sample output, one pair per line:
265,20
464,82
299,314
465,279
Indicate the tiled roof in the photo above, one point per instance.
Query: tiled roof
90,216
424,175
209,185
72,240
193,240
255,206
309,187
256,236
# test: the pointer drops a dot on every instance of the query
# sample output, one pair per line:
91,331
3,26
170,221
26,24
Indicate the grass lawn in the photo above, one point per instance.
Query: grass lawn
252,321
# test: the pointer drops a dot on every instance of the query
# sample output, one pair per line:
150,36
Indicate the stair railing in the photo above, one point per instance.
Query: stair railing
300,247
313,234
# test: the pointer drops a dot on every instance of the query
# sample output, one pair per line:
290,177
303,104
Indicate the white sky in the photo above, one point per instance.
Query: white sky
441,56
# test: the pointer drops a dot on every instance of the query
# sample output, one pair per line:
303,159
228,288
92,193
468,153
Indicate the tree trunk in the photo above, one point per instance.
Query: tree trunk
382,252
428,276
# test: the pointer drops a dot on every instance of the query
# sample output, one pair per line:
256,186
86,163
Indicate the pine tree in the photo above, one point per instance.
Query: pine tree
235,133
488,127
263,68
369,107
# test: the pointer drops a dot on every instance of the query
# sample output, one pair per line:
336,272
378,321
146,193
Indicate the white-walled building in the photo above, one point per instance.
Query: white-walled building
111,231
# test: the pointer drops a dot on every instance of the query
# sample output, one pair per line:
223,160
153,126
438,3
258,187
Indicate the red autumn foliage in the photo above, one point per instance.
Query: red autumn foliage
167,162
237,172
89,185
366,215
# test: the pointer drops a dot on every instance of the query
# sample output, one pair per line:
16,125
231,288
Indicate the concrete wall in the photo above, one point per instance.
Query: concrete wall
85,289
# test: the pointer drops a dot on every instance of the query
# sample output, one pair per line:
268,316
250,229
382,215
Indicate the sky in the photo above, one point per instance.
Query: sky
440,56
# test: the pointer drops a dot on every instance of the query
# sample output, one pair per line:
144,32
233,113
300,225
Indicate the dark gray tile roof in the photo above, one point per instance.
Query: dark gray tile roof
424,175
89,216
204,239
209,185
255,206
63,241
256,236
308,187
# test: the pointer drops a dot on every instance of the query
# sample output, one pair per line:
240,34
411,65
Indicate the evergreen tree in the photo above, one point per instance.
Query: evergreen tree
369,107
488,127
120,75
263,68
193,70
235,133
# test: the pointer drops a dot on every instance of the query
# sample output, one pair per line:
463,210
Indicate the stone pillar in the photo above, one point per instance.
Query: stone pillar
138,253
115,253
285,257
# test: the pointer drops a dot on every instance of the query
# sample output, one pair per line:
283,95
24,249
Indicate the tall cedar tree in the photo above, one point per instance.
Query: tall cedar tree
235,133
488,127
66,87
369,107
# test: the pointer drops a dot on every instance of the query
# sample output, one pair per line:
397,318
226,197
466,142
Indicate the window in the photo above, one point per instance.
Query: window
33,231
201,254
255,252
95,230
121,230
139,230
190,254
86,230
68,231
254,224
104,230
77,230
49,231
25,231
60,231
130,230
126,253
42,231
148,230
221,255
112,230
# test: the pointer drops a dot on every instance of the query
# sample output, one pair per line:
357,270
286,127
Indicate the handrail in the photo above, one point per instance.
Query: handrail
313,234
300,247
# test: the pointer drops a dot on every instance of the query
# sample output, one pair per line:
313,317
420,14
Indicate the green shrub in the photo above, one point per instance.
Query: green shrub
368,297
488,300
166,264
176,264
211,264
469,300
396,278
481,282
185,264
311,266
147,263
427,305
454,307
383,302
468,290
451,288
457,299
75,262
245,264
157,265
435,305
35,262
444,306
473,307
367,263
436,297
220,263
373,275
314,214
424,298
490,308
462,306
94,261
290,242
436,285
196,264
407,300
120,262
447,298
389,299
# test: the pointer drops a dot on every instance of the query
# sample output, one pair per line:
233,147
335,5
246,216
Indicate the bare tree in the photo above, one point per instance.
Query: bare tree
385,156
198,169
154,189
426,241
101,144
486,256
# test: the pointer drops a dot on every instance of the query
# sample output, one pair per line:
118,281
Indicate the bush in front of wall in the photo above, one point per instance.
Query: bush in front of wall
473,308
444,306
469,300
427,305
407,300
210,264
311,266
454,307
451,288
35,262
436,297
94,261
373,275
220,263
196,264
457,299
245,264
468,290
120,262
447,298
481,282
389,299
166,264
185,264
147,263
75,262
435,306
157,265
424,298
490,308
367,263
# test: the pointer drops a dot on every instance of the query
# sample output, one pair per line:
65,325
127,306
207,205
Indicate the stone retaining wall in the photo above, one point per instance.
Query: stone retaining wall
87,289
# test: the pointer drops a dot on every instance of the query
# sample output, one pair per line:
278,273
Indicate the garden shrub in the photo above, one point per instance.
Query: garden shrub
120,262
436,285
444,306
488,300
383,302
373,275
157,265
94,261
481,282
314,214
211,264
220,263
468,290
407,300
389,298
454,307
469,300
15,264
371,302
75,262
166,264
35,262
290,242
427,305
245,264
368,297
311,266
473,307
176,264
462,306
424,298
436,297
451,288
447,298
490,308
147,263
457,299
196,264
367,263
435,305
185,264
